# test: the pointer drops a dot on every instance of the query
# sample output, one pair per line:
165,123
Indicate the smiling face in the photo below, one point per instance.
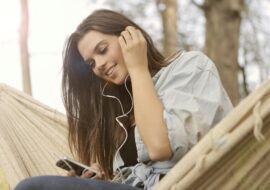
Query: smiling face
103,53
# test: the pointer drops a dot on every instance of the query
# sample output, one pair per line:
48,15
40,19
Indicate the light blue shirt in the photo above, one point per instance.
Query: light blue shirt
194,101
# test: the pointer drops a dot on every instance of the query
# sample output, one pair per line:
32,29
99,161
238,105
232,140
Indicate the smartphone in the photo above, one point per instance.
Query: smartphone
79,168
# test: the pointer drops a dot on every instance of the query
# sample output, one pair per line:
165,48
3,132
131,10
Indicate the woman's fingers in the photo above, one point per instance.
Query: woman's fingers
87,174
133,33
134,48
140,36
130,35
97,173
71,173
126,36
122,42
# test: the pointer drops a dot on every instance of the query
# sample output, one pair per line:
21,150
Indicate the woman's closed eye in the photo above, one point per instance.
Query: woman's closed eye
102,50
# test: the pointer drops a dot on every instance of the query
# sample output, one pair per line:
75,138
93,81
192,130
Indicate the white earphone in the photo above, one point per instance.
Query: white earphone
120,116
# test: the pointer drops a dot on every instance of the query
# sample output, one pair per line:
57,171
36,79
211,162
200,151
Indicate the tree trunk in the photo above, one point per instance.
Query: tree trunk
24,48
222,41
168,11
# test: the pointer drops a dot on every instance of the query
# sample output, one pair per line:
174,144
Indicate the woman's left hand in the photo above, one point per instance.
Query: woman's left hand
134,49
89,174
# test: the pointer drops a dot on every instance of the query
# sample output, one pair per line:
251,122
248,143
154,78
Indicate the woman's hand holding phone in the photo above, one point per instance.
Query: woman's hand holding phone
75,168
99,175
88,173
71,173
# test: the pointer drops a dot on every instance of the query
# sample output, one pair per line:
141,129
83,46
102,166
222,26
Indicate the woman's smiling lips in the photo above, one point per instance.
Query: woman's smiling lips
110,70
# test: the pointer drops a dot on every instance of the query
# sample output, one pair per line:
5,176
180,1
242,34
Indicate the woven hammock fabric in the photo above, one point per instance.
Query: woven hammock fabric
234,155
3,182
32,137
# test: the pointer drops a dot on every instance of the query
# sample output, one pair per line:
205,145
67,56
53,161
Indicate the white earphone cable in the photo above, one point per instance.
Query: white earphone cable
118,121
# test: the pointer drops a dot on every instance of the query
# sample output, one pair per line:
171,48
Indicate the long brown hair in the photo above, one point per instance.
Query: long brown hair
94,135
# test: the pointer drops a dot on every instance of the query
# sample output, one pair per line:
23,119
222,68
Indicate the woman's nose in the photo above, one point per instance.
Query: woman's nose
100,62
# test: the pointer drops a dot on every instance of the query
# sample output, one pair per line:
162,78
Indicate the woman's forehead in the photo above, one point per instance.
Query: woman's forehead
90,41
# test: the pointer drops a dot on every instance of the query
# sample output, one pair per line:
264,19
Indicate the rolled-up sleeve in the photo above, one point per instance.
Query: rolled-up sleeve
191,105
193,100
187,117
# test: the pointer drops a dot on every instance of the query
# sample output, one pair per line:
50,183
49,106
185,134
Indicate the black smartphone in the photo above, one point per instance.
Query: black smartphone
79,168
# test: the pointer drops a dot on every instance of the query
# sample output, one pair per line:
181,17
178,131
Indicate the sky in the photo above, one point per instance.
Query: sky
50,24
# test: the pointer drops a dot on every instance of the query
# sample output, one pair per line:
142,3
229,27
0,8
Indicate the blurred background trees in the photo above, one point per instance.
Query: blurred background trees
233,33
223,19
168,12
26,79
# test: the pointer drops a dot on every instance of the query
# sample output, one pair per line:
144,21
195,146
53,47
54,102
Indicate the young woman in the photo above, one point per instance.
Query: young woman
132,113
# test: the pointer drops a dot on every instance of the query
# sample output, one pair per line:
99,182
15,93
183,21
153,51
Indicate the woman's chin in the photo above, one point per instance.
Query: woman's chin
121,80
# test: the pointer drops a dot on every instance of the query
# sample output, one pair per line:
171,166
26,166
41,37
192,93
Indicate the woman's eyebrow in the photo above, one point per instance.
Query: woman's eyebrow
96,48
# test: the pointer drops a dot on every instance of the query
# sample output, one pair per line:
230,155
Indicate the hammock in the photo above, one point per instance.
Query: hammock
234,155
32,137
3,182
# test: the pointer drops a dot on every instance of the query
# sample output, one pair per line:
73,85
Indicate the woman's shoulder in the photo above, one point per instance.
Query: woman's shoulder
191,60
184,66
187,62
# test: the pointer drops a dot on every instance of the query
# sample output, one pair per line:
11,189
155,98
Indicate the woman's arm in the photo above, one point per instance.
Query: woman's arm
148,111
148,108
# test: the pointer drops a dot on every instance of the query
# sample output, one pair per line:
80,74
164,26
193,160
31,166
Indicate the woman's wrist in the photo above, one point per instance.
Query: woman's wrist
139,72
